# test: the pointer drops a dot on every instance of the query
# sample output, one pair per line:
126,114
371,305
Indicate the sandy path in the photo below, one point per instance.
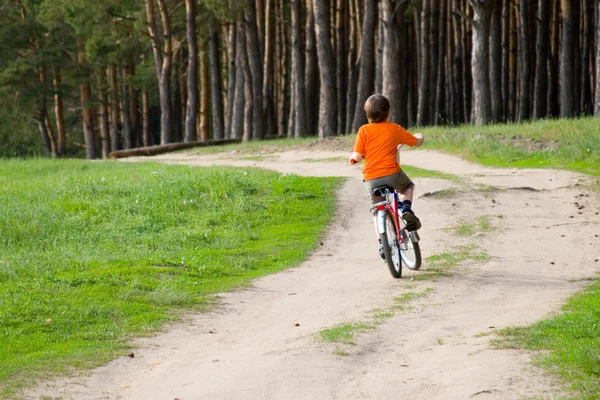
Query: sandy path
438,348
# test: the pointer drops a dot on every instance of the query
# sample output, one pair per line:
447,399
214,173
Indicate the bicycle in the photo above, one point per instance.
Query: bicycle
399,244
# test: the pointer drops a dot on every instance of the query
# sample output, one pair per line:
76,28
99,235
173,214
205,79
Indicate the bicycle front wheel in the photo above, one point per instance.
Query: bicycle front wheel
390,247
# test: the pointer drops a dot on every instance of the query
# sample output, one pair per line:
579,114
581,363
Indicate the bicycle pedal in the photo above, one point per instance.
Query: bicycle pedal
414,236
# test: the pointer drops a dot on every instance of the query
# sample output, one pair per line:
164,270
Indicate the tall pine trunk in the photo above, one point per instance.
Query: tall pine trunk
525,65
366,79
425,76
311,72
481,108
191,114
114,106
256,68
163,60
216,82
540,106
268,105
567,62
104,118
327,95
237,118
298,71
87,113
40,116
392,64
231,79
597,91
59,113
203,127
341,67
458,65
496,62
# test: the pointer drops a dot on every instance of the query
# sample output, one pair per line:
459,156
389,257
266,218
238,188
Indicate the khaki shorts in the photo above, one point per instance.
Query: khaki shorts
399,181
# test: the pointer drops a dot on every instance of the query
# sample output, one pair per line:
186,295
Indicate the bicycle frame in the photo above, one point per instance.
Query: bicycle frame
392,206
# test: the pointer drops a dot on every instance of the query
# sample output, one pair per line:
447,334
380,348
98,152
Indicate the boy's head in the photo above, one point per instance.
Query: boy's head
377,108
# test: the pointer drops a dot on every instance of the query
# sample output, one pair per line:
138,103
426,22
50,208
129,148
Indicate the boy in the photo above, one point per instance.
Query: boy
378,143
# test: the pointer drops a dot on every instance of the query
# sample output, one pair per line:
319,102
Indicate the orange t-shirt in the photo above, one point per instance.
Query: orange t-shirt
378,143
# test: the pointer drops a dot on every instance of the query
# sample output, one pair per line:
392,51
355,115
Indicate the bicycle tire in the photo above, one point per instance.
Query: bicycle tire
391,249
412,255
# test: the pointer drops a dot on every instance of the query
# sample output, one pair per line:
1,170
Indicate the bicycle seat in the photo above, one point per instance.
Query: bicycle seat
380,190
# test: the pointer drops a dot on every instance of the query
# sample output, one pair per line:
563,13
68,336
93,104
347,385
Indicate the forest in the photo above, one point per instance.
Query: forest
82,78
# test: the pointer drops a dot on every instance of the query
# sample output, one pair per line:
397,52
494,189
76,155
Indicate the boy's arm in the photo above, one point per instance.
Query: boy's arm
359,148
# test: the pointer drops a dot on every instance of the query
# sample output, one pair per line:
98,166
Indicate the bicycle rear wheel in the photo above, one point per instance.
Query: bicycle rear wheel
410,251
390,247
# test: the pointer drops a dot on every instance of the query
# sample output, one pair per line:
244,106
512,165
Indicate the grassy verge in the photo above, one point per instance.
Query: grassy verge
572,144
94,254
345,333
571,342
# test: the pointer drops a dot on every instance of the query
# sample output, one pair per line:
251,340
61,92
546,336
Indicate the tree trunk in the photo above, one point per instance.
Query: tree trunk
237,118
481,108
176,102
40,117
298,70
191,114
114,107
496,62
567,63
586,106
458,73
340,67
541,66
434,26
379,57
312,71
392,64
231,79
204,98
553,63
125,116
597,91
283,93
85,94
505,58
425,75
366,79
525,66
440,116
146,133
133,105
513,68
104,121
328,96
248,88
254,59
352,69
268,105
59,114
163,60
216,82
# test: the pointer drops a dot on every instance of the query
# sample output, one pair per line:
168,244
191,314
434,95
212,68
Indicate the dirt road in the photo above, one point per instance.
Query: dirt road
528,252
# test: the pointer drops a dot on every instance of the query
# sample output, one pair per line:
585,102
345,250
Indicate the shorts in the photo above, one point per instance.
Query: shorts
399,181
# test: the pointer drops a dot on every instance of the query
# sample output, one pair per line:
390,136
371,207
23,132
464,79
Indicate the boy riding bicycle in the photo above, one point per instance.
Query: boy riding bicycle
377,142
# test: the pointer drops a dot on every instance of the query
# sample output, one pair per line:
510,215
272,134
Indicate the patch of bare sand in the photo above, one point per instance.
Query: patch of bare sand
261,344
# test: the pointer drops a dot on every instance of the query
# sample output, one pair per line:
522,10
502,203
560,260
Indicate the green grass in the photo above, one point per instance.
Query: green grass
480,224
443,262
570,343
94,254
345,333
572,144
414,172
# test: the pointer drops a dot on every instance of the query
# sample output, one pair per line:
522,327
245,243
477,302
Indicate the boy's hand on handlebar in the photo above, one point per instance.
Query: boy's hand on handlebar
420,139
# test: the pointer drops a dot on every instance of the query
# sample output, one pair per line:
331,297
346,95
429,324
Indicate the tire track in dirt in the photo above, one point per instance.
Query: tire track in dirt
438,348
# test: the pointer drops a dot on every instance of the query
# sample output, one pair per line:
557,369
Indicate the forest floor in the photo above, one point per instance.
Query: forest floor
531,249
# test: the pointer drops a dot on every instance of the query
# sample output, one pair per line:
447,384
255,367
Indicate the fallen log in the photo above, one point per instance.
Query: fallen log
165,148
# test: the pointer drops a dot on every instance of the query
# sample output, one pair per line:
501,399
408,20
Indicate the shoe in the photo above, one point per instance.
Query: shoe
411,221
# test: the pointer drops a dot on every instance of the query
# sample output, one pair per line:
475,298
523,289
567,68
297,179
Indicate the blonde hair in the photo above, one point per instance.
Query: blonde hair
377,108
